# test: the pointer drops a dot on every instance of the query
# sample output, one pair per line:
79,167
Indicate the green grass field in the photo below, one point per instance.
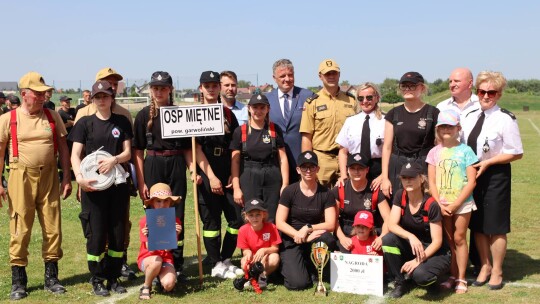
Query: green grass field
521,268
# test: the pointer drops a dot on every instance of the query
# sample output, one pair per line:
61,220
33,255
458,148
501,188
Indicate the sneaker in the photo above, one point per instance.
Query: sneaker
399,290
99,289
127,273
219,270
114,285
232,268
229,275
263,281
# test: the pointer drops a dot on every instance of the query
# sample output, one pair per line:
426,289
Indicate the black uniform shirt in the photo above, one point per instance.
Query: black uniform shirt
69,115
258,143
410,130
414,223
95,133
306,210
158,143
357,201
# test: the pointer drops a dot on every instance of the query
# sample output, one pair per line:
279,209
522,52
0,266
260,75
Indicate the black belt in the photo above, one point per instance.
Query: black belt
164,152
333,152
215,151
258,164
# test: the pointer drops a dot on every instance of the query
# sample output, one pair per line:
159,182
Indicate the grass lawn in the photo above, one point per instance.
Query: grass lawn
521,268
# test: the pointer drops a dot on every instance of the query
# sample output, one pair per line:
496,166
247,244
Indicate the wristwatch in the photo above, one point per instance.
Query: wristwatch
310,228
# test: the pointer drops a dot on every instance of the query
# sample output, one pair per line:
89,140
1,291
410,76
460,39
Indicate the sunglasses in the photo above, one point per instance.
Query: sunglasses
368,98
490,93
408,86
308,168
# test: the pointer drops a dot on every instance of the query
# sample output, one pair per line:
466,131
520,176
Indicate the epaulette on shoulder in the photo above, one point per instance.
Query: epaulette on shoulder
471,112
350,95
505,111
310,99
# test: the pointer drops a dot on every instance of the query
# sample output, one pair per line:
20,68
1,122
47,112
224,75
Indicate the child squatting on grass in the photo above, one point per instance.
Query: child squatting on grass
452,179
363,234
157,263
259,240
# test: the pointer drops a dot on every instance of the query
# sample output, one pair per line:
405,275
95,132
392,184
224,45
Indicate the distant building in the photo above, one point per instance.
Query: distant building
9,87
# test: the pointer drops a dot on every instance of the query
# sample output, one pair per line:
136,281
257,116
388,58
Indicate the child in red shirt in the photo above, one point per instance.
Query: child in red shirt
363,234
259,239
157,263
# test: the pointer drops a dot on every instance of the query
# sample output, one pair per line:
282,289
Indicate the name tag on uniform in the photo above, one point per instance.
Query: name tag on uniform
348,106
322,108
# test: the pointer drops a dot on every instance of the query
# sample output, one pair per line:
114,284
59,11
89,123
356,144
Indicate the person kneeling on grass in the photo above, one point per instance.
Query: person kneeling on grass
259,240
364,235
157,263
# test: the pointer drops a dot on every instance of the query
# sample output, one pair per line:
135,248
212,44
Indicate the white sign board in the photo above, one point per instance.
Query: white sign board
356,273
192,120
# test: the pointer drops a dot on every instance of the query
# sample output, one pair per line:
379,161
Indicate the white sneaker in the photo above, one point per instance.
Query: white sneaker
262,281
229,275
219,270
232,268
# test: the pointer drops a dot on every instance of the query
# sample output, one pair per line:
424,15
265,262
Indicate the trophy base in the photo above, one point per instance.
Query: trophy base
321,291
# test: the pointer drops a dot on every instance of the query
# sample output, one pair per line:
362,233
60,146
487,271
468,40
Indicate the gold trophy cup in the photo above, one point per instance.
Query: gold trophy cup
319,257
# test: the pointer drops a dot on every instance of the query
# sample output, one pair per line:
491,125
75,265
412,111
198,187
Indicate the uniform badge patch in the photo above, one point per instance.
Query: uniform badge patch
367,204
422,123
266,236
115,133
346,202
322,108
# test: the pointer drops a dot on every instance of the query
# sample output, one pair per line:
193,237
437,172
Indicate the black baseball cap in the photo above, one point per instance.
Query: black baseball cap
258,99
65,98
254,204
413,77
162,79
2,95
411,170
14,99
307,157
357,159
102,86
209,76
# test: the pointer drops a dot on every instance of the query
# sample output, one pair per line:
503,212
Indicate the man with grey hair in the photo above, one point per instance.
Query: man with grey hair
286,105
34,186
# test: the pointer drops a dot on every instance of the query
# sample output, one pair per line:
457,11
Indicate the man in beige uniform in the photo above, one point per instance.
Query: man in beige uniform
33,182
322,119
113,78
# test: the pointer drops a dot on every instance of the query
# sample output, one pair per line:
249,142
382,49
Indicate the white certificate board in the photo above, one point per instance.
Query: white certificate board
192,120
356,273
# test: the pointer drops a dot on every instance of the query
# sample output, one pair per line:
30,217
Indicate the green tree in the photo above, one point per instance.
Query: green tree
244,84
133,91
392,97
345,83
388,86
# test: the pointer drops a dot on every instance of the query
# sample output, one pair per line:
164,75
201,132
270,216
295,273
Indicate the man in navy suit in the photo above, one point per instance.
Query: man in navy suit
286,106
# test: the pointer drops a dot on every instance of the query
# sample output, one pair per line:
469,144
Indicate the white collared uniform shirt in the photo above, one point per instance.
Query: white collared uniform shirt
350,135
500,131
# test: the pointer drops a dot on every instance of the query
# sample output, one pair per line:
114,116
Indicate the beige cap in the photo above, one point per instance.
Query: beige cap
33,81
327,66
106,72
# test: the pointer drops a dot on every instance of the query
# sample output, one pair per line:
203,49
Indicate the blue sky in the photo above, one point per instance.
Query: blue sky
69,41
